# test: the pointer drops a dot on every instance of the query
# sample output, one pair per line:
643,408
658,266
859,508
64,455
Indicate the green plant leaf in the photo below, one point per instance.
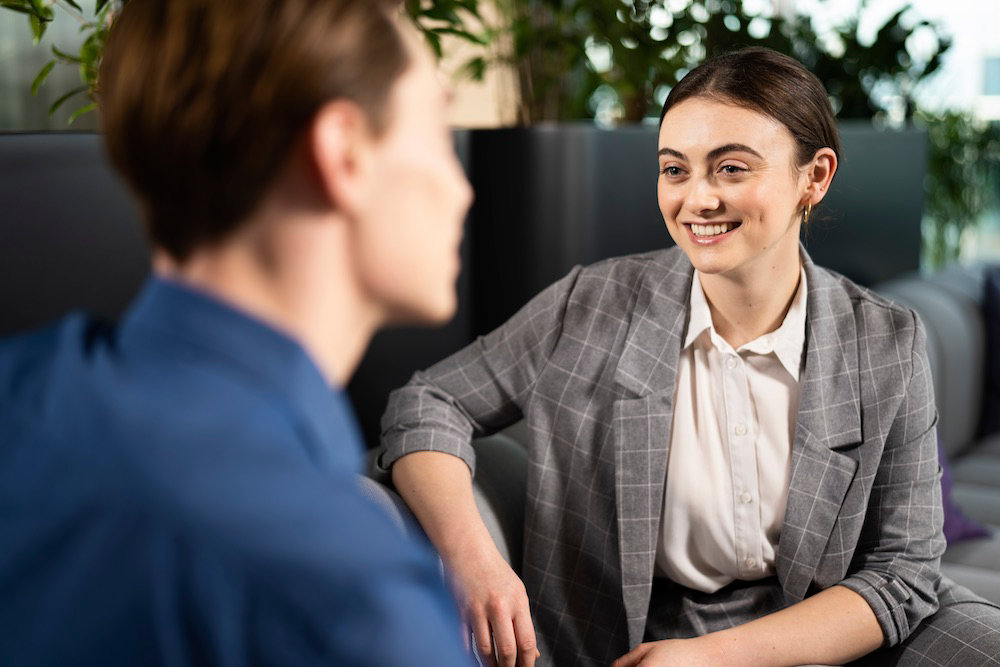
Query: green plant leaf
58,103
41,10
74,5
68,57
435,43
42,75
100,6
38,27
17,7
461,34
81,111
442,14
474,68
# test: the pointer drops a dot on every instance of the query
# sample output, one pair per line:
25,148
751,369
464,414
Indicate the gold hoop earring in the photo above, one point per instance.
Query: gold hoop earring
807,213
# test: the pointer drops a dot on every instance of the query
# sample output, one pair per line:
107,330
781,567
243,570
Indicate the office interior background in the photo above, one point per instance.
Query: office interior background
564,193
968,79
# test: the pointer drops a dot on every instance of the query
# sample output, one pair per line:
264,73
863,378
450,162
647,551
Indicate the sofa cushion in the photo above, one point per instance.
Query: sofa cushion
984,581
955,347
957,526
978,467
982,551
978,502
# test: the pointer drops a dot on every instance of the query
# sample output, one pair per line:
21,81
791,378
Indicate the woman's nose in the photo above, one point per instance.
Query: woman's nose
702,197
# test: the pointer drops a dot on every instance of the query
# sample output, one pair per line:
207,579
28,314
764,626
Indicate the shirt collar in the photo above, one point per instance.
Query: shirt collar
169,313
786,342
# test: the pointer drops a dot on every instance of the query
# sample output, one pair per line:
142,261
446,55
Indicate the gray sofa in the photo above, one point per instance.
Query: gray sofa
949,305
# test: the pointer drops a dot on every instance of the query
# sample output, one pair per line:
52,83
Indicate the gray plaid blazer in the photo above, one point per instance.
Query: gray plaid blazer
590,365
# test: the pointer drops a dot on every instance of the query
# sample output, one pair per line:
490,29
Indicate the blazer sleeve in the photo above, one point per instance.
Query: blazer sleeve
478,390
896,564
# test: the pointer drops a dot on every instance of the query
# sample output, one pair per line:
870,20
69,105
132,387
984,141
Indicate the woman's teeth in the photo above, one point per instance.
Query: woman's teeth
712,230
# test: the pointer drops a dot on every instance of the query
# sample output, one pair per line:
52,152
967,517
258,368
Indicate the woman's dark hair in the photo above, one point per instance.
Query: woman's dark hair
769,83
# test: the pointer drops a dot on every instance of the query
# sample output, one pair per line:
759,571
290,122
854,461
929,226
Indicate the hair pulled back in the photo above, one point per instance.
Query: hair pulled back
771,84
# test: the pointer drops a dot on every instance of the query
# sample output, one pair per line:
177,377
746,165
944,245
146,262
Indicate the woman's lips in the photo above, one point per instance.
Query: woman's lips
710,233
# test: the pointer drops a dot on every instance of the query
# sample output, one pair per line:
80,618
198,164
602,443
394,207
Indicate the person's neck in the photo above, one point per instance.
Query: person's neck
749,304
282,280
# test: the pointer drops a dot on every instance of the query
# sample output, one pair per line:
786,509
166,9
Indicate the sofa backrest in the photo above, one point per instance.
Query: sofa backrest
69,231
949,305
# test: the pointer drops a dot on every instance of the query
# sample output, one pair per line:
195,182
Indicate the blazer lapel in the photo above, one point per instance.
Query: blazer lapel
641,428
829,417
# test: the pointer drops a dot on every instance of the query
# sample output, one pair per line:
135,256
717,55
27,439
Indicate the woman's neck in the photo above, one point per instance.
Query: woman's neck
746,307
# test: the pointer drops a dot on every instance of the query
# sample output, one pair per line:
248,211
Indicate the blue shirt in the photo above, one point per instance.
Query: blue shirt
182,489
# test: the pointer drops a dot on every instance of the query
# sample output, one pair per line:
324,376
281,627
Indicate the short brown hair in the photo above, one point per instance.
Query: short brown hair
203,100
769,83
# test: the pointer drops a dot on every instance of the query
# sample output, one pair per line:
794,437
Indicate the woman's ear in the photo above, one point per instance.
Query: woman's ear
339,143
819,174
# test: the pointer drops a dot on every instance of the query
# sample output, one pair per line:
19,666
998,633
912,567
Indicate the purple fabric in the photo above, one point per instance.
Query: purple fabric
957,526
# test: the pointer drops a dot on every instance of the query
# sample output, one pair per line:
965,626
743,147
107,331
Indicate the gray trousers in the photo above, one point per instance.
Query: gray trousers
965,631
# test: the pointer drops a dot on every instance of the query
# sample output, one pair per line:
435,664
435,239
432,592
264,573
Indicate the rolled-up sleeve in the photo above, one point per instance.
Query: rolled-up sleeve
896,564
478,390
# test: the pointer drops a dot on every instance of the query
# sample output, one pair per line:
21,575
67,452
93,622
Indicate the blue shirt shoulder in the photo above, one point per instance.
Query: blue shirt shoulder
182,488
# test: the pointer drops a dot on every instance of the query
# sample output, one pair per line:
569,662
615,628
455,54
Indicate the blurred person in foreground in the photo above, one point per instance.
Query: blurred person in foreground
183,488
731,451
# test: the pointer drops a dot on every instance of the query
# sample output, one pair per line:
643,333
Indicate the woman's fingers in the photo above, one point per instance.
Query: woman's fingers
483,638
524,629
504,640
633,657
503,631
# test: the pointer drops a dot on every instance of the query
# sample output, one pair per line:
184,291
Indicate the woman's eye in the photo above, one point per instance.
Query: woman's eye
671,171
731,169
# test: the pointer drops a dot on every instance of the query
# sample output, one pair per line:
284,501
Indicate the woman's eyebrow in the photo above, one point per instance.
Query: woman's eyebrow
672,152
714,153
731,148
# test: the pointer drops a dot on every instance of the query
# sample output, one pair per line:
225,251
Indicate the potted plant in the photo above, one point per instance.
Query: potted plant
963,181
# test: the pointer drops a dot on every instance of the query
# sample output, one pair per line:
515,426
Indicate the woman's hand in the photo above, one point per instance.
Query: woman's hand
495,606
493,601
680,652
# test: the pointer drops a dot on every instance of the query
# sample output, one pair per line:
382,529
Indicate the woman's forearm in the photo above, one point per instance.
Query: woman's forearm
438,489
832,627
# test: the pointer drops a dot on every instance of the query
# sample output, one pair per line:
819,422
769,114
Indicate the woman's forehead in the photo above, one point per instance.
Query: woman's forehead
704,124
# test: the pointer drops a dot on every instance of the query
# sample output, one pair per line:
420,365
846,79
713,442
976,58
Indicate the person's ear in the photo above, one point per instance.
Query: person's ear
339,141
819,174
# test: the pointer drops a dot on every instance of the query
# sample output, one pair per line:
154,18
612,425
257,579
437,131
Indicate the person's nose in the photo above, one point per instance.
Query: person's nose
466,194
703,197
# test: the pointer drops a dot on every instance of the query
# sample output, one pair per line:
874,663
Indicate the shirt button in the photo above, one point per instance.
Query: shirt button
746,498
751,563
741,429
731,363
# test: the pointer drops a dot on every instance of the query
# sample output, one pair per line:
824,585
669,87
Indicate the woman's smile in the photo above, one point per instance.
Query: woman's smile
708,233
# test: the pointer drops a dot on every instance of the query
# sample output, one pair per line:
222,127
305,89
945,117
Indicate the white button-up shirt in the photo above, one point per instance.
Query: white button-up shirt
730,450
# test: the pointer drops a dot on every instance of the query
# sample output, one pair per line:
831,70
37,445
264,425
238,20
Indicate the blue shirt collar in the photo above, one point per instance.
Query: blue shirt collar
166,311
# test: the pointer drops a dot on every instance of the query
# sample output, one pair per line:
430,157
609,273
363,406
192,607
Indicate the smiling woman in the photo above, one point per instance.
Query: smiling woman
741,166
732,454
